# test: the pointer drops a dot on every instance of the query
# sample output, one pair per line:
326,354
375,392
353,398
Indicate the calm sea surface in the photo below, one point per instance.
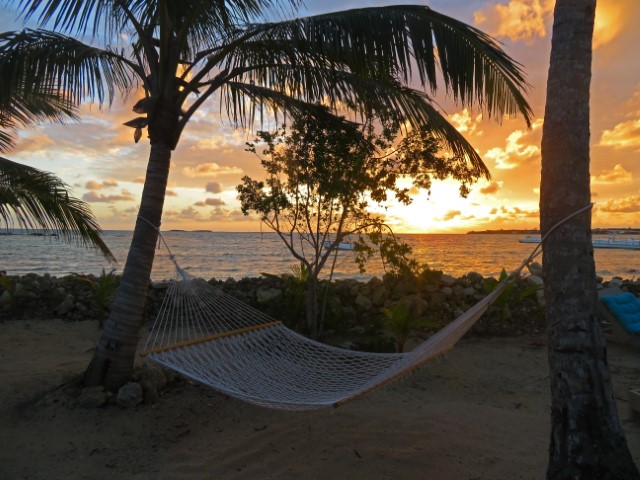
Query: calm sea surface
222,255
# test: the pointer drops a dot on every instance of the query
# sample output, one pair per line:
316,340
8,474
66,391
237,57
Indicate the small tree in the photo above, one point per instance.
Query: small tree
322,177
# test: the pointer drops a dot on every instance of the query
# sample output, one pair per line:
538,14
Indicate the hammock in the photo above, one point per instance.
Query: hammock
220,341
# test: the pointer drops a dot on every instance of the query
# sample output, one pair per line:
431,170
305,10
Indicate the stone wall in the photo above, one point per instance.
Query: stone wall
352,309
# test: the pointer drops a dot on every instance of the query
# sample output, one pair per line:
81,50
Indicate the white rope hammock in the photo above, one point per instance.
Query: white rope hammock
218,340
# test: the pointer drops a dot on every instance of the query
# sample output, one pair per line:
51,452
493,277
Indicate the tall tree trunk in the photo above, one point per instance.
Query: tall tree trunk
112,364
587,440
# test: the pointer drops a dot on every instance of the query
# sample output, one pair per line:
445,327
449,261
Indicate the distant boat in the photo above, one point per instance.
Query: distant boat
615,240
341,245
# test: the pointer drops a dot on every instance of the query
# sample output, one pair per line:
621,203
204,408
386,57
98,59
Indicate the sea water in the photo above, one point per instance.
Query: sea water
237,255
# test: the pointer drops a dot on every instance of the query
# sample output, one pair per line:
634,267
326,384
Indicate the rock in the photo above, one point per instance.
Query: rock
469,292
66,306
534,280
540,297
92,397
267,294
130,395
475,278
447,280
431,287
448,291
363,302
535,269
615,282
152,379
415,304
5,300
438,298
379,295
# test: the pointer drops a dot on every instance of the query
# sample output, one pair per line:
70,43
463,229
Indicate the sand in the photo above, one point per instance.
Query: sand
480,413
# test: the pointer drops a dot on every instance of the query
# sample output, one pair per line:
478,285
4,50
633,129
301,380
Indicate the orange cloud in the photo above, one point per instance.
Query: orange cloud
212,202
450,215
629,204
213,187
623,135
517,20
491,188
98,197
515,153
209,169
95,185
617,175
464,123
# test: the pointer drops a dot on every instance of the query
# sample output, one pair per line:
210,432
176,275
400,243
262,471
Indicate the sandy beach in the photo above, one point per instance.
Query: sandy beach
480,413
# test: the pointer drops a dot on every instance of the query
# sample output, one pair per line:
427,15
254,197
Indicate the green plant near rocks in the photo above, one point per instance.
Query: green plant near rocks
8,285
509,297
104,289
402,322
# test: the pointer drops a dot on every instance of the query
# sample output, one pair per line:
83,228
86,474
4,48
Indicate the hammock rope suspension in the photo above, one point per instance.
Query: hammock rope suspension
220,341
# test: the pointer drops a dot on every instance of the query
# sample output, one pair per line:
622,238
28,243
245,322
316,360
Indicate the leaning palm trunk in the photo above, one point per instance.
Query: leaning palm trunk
587,440
114,358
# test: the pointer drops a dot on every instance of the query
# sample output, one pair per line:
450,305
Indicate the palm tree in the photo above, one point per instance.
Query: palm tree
587,440
187,52
32,198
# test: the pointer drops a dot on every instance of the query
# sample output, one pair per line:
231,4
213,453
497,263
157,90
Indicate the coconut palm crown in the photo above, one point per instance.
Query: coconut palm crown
258,60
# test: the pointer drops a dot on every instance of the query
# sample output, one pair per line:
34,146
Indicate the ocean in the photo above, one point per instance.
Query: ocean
237,255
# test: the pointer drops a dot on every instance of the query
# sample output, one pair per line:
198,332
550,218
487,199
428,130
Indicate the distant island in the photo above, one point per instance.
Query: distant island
595,231
177,230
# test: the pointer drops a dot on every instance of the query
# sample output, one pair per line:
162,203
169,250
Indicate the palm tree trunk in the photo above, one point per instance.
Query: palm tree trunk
587,440
112,364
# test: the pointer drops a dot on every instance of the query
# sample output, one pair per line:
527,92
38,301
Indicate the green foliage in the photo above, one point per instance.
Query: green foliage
324,175
401,322
509,296
103,287
9,285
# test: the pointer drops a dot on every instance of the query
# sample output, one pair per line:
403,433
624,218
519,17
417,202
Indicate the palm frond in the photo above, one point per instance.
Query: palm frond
32,198
413,43
44,62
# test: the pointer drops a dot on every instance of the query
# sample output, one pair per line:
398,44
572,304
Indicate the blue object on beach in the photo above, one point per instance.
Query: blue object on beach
626,309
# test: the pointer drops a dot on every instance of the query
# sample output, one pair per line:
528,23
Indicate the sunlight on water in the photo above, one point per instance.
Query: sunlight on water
237,255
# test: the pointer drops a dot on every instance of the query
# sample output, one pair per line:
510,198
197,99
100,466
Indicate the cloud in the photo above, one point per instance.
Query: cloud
138,180
515,152
623,135
629,204
209,169
99,197
213,187
450,215
517,20
95,185
171,193
212,202
491,188
616,175
464,123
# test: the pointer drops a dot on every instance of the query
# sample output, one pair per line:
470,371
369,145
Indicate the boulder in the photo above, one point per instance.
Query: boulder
447,280
66,306
469,292
267,294
130,395
535,269
5,300
152,379
362,302
534,280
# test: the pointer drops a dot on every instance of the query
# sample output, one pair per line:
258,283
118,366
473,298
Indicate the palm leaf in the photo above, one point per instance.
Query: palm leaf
36,199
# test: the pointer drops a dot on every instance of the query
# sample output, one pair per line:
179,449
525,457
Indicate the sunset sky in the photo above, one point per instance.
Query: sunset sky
98,159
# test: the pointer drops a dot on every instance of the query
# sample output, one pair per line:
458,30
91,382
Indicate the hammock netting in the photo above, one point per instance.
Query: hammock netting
220,341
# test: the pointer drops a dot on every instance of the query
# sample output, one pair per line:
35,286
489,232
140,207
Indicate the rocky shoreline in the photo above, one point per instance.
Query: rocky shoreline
352,309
